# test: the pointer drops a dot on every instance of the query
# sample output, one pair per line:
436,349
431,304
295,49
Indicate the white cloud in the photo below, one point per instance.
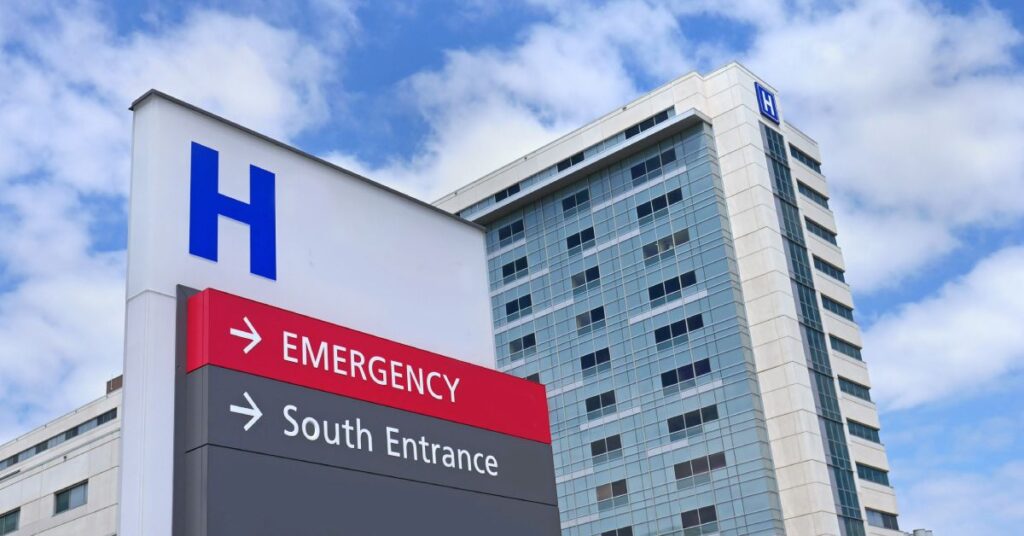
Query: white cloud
882,248
955,502
919,135
965,338
486,107
959,475
64,152
913,109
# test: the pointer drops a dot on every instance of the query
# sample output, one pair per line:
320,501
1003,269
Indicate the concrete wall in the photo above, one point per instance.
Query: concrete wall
92,456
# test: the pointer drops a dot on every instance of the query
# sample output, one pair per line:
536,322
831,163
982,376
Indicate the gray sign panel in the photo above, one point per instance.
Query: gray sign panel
234,492
242,412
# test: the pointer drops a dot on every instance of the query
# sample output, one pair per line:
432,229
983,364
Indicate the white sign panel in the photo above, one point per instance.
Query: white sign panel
214,205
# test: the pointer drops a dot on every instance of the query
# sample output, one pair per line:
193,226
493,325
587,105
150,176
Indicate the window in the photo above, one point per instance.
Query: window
9,521
664,245
571,161
693,419
829,269
812,194
883,520
535,377
586,279
606,445
804,158
59,438
678,329
701,465
580,239
873,474
655,206
507,192
686,373
517,348
514,269
594,360
863,431
672,288
518,307
823,232
853,388
591,319
71,498
612,494
601,404
651,168
624,531
646,124
840,309
698,518
576,200
845,347
510,233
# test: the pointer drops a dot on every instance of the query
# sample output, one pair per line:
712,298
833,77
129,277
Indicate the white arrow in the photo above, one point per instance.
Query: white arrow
252,411
252,336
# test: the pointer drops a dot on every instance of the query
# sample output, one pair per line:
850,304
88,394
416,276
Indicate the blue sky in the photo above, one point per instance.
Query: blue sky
914,104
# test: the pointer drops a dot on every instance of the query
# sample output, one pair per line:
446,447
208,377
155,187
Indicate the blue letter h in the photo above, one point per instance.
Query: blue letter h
207,203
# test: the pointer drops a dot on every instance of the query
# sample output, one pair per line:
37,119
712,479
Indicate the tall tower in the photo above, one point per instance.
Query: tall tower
671,273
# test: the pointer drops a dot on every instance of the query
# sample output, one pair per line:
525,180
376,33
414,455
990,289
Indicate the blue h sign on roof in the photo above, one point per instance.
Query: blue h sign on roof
207,204
766,102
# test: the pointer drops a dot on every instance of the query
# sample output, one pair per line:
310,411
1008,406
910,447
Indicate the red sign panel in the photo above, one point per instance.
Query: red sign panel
239,334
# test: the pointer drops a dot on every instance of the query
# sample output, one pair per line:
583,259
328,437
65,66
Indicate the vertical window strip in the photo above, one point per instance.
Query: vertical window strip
848,504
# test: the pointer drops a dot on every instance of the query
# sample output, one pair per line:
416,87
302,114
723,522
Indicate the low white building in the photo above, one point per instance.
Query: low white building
62,478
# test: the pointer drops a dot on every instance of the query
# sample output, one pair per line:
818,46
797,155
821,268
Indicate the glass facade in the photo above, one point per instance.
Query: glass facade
636,325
